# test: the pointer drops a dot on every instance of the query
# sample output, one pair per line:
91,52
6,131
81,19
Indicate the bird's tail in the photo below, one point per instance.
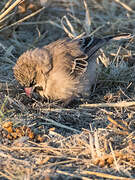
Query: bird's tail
91,45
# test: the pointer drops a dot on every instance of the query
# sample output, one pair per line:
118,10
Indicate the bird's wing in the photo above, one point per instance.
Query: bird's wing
88,47
75,54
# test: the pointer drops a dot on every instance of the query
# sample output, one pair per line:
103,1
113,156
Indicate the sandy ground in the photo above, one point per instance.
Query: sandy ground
92,138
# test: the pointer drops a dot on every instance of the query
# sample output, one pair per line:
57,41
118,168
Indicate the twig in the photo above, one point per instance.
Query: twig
6,6
6,176
118,104
104,175
5,85
116,123
72,175
23,19
60,125
124,5
10,8
114,157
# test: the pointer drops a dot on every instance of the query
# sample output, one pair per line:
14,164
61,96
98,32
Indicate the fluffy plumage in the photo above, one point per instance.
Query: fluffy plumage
63,69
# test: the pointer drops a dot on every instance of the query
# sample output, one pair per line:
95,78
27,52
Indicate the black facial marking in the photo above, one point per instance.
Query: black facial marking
32,83
38,88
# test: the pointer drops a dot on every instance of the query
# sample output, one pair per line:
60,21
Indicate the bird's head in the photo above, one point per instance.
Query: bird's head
25,74
30,71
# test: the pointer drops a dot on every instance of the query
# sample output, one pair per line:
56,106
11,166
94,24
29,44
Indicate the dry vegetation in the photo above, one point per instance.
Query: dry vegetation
93,138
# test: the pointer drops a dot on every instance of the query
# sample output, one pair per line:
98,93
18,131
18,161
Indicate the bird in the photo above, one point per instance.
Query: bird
62,70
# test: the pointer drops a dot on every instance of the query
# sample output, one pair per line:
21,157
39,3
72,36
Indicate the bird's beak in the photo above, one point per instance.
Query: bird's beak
28,91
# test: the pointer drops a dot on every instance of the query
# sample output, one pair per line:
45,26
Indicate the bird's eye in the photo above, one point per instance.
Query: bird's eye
38,88
33,80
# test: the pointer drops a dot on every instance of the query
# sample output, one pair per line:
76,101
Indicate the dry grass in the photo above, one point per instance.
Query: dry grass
91,139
